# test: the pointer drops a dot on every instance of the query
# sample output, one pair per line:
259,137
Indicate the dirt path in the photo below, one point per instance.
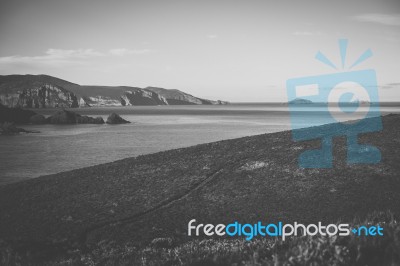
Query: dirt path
135,217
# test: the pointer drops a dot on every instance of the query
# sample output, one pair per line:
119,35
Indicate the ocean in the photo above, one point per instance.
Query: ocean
59,148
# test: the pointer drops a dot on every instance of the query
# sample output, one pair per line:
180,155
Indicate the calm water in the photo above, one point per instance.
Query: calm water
60,148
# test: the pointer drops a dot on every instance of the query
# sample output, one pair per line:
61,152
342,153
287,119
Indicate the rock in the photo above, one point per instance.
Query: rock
37,119
10,129
116,119
219,102
38,95
68,117
15,115
89,120
83,119
99,120
62,117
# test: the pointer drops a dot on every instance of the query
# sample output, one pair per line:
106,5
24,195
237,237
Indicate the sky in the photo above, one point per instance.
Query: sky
230,50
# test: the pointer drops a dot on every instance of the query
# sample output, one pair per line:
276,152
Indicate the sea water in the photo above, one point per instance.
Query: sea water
152,129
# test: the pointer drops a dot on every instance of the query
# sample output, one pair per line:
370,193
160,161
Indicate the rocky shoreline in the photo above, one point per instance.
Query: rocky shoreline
9,129
11,116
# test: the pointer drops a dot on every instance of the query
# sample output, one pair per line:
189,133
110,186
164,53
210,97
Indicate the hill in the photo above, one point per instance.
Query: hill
300,101
177,97
139,199
43,91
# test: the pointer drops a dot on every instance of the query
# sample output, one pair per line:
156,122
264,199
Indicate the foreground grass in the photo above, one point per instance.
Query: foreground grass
310,250
110,214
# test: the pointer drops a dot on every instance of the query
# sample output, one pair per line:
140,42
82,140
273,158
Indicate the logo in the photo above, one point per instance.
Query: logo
347,100
249,231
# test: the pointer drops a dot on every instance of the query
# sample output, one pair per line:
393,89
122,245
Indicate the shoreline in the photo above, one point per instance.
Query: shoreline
36,127
150,154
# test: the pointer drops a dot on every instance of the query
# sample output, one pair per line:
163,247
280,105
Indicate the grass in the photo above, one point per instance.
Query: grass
133,201
309,250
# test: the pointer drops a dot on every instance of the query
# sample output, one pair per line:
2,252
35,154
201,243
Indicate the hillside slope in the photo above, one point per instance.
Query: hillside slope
43,91
246,179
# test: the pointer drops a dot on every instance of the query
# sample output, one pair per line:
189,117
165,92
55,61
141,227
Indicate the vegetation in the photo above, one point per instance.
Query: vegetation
116,210
305,250
310,250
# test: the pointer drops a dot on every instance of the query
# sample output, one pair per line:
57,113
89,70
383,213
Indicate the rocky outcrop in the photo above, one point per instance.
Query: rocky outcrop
21,116
116,119
37,119
68,117
62,117
15,115
219,102
83,103
7,128
89,120
98,120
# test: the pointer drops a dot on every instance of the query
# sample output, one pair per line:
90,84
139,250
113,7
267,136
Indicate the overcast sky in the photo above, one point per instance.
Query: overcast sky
230,50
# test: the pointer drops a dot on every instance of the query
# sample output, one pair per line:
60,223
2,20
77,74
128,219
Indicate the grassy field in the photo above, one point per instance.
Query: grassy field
310,250
95,212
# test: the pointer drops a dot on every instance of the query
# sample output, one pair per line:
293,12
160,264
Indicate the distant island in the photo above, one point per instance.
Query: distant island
300,101
43,91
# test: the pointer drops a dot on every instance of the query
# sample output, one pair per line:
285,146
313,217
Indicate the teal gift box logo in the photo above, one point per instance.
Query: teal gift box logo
347,103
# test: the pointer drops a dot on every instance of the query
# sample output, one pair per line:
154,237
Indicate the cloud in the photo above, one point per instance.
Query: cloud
303,33
308,33
384,19
394,85
63,57
124,51
80,53
212,36
54,57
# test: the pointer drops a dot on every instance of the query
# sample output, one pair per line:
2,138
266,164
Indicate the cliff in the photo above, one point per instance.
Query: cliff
43,91
40,96
177,97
